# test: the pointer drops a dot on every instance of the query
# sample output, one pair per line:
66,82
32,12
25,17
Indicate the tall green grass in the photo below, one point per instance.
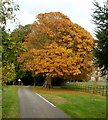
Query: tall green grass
10,102
76,104
84,106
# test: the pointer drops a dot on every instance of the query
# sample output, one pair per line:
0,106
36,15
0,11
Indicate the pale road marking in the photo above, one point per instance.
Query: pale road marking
45,99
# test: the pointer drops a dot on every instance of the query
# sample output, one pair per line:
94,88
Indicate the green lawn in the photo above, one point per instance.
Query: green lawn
76,104
10,102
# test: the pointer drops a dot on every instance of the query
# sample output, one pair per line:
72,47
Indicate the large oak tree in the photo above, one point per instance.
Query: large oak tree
57,47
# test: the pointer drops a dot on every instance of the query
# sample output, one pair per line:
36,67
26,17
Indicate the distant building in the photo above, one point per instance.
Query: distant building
96,76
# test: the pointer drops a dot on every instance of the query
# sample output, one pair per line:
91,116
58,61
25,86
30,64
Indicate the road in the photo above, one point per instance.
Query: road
32,105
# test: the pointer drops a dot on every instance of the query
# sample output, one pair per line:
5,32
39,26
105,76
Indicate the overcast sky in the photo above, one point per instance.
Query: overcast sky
79,11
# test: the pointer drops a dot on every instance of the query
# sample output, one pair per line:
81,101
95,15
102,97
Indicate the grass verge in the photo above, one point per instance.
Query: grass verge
10,102
76,104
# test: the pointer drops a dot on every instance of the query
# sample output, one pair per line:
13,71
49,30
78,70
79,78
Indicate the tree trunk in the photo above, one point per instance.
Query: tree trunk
95,83
48,82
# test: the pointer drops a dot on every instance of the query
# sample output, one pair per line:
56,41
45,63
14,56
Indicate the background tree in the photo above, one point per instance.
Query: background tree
57,47
7,58
7,10
100,19
18,36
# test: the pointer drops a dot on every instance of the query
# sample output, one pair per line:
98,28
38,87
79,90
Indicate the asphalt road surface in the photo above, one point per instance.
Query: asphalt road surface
32,105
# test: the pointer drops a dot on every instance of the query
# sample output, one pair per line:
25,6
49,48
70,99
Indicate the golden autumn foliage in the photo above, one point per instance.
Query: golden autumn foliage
57,47
52,61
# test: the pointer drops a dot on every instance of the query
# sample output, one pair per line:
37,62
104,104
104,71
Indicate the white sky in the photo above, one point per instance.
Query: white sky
79,11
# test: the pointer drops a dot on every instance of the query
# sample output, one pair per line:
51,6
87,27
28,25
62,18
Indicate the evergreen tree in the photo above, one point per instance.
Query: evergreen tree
100,19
